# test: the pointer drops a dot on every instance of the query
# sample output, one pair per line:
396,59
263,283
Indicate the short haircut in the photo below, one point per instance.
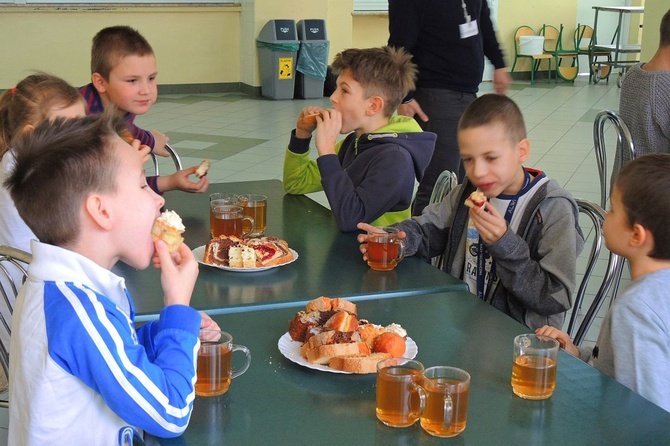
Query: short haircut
112,44
58,165
665,29
490,109
644,187
30,102
386,72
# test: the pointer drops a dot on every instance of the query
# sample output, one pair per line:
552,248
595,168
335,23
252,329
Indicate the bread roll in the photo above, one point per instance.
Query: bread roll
342,321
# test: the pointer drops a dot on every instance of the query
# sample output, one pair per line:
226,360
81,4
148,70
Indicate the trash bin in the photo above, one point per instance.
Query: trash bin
312,59
278,46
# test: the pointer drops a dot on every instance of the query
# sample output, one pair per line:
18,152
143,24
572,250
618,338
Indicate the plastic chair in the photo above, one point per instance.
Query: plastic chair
583,37
553,44
625,149
173,154
610,280
536,59
15,259
445,182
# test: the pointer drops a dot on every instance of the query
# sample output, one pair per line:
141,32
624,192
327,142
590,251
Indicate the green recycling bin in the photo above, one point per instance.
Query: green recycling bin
278,46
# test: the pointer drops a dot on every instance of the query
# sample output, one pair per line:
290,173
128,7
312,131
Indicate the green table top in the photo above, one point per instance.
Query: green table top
277,402
329,261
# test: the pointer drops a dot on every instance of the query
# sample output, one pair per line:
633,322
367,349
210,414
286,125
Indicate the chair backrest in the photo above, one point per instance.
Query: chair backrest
12,260
552,38
175,158
582,37
577,328
625,149
445,182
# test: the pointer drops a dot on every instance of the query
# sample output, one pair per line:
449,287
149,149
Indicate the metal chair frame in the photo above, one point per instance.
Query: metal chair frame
173,154
18,259
625,147
597,71
445,182
610,280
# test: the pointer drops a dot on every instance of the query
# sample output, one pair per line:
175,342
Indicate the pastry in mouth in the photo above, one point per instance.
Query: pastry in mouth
477,199
169,228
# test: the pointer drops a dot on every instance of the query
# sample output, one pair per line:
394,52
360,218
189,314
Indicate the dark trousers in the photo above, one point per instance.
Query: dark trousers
444,109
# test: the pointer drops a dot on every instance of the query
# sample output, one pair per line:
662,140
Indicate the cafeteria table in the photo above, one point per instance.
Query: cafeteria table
329,261
277,402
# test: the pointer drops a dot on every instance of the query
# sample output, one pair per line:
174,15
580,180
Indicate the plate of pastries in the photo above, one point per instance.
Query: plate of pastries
328,336
246,255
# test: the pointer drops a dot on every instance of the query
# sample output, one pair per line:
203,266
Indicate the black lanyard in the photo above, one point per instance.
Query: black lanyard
483,253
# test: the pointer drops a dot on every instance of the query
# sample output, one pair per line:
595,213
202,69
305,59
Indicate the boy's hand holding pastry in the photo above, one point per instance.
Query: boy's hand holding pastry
178,266
488,221
307,121
328,131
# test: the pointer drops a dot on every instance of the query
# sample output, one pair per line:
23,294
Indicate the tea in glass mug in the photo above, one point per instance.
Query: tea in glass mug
400,397
228,220
215,359
534,366
385,248
447,394
255,206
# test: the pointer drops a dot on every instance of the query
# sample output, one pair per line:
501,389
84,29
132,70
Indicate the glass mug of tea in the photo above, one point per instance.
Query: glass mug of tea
400,398
447,393
534,366
215,362
228,219
255,206
385,248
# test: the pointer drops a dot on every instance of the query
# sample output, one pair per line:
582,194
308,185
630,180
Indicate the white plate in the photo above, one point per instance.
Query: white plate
291,351
199,254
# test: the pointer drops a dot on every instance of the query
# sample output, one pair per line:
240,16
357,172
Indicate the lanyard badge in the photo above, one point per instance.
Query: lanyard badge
469,28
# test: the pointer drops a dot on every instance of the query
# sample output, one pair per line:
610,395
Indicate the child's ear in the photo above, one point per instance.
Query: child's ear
96,208
523,147
99,82
376,104
639,236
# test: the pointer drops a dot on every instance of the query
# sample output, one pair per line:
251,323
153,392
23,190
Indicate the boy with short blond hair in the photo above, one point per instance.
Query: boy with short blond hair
123,75
518,251
369,176
79,370
633,346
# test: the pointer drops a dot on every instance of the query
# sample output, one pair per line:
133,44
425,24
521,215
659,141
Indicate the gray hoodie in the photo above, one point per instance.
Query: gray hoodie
535,266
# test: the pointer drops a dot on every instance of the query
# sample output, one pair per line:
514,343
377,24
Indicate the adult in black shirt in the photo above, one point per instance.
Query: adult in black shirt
448,40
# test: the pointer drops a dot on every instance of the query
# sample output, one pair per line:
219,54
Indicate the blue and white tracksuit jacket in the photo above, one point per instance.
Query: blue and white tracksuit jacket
79,370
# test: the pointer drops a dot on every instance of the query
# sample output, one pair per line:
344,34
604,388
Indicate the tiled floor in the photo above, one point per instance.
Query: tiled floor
245,138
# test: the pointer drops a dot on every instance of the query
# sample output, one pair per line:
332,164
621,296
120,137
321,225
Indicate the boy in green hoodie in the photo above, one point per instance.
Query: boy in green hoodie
369,175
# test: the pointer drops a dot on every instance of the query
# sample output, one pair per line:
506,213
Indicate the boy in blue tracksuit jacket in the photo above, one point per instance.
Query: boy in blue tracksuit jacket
79,370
